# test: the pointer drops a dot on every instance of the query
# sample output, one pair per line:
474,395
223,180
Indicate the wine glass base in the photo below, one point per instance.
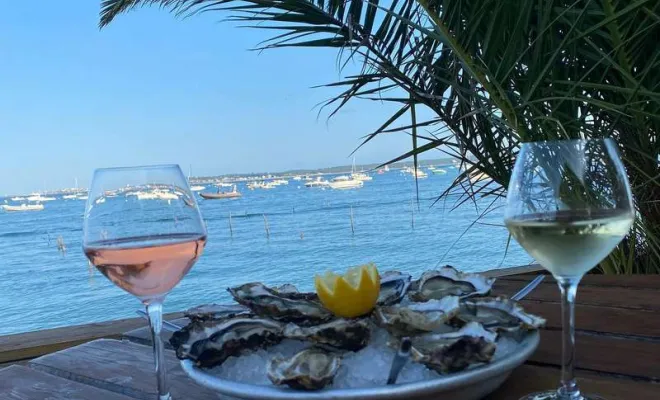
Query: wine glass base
553,395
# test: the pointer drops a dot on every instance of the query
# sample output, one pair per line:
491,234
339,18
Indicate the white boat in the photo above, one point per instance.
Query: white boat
437,171
319,182
100,200
419,174
70,196
260,185
345,182
224,184
156,195
278,182
361,176
38,197
297,178
17,198
197,188
83,197
23,207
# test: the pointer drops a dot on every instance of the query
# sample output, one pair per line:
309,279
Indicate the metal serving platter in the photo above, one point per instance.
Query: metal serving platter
471,384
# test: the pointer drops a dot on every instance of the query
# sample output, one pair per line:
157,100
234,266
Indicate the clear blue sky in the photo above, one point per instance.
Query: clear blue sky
151,88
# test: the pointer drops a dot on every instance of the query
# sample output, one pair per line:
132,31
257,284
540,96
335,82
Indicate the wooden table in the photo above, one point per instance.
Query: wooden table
618,339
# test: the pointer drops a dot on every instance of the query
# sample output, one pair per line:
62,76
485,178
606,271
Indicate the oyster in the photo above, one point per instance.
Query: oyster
341,334
287,288
415,318
498,313
216,311
310,369
300,308
393,287
210,342
454,351
450,282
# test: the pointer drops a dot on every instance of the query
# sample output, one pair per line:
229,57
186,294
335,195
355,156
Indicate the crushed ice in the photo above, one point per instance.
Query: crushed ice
368,367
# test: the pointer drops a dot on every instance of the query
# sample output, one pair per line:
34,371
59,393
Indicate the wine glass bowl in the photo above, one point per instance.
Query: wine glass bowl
569,205
144,232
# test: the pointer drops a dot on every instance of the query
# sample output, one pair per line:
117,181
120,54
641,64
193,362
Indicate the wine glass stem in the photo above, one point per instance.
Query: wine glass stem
569,389
155,312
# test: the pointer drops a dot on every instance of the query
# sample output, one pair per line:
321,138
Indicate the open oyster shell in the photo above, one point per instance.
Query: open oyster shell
341,334
300,308
415,318
454,351
393,287
210,342
216,311
498,313
450,282
310,369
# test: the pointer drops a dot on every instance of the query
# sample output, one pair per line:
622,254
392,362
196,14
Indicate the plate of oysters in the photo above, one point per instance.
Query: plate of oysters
279,343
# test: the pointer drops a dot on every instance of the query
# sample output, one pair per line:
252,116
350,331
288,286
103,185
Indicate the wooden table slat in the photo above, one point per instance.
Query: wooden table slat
637,299
529,379
600,319
121,367
612,281
21,383
604,353
24,346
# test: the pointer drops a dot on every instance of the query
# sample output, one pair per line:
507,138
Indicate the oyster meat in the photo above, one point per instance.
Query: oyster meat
300,308
498,313
393,287
210,342
454,351
310,369
450,282
216,311
415,318
340,334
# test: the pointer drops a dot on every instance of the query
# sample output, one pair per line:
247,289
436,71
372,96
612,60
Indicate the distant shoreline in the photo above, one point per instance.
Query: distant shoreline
240,177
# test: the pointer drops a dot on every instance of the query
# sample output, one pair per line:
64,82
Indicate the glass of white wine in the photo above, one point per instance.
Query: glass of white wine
144,232
568,205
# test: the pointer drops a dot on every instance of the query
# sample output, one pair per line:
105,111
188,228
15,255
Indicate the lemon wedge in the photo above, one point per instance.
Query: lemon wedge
351,295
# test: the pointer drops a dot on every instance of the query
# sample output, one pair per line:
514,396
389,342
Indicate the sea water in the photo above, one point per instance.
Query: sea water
309,232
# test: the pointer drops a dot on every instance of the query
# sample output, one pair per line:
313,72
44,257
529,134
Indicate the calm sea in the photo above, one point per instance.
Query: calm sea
310,232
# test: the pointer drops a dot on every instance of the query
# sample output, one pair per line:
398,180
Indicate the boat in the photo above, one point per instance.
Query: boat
18,198
418,173
361,176
224,184
222,195
297,178
156,195
23,207
70,196
83,197
345,182
197,188
319,182
39,198
437,171
278,182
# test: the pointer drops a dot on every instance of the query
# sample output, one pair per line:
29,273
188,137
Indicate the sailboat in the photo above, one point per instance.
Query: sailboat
194,188
359,176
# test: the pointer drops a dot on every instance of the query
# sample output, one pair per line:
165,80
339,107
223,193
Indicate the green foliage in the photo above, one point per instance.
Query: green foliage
493,73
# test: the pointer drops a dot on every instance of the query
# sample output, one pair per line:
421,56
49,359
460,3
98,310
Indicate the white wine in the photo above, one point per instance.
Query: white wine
570,243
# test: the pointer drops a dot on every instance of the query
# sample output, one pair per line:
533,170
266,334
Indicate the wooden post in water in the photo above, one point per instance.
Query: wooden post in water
266,227
352,226
412,215
231,229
